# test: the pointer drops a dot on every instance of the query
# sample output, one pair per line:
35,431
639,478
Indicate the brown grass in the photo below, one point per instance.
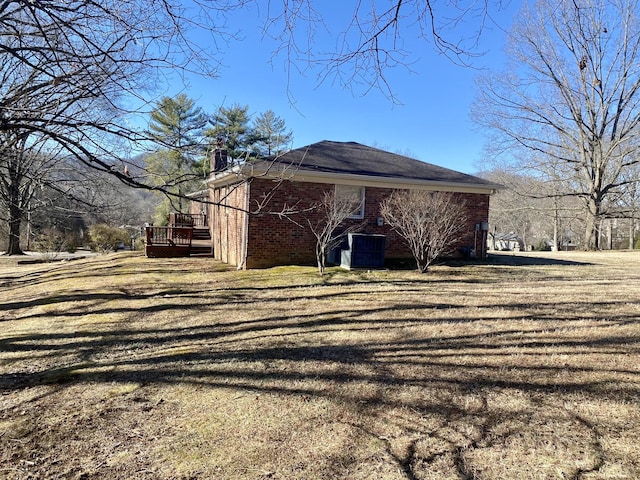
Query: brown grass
126,367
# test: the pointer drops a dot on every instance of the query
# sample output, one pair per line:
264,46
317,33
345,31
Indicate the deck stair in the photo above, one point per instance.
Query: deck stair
201,244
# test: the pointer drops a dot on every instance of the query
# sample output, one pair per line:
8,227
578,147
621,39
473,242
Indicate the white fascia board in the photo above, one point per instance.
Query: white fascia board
245,172
199,193
226,177
394,183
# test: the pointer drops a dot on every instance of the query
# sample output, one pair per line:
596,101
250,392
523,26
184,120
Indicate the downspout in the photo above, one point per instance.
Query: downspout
245,229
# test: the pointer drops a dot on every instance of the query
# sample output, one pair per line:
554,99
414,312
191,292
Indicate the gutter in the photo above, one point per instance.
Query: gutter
290,172
199,193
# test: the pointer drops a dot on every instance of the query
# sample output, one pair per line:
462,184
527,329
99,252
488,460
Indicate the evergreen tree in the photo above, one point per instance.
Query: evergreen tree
177,125
270,135
232,126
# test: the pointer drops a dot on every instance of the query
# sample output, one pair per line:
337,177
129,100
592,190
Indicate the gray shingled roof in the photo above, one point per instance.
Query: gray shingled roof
356,159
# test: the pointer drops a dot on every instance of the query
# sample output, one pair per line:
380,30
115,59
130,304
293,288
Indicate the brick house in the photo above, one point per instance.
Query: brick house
298,179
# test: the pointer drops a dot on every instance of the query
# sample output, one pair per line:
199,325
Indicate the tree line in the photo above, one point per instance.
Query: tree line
186,139
530,213
564,117
53,199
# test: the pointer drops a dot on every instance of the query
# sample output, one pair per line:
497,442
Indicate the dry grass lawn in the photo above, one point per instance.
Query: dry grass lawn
126,367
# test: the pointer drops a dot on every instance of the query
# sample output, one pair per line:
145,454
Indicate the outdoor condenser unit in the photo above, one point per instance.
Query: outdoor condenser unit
364,251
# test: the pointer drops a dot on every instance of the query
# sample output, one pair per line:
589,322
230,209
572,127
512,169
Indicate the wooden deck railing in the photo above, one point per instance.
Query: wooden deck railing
188,219
171,236
185,234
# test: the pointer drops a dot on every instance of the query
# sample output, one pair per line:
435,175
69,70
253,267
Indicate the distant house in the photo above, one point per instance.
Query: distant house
506,242
298,179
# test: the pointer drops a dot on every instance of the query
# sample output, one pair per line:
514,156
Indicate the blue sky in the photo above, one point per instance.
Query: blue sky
432,122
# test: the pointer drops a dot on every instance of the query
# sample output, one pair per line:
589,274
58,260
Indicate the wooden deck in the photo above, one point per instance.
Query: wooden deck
186,236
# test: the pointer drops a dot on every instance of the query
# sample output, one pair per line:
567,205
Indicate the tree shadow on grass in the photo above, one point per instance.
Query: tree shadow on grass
235,340
436,387
449,380
515,260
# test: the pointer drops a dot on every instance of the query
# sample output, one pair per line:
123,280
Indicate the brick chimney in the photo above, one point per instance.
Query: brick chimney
220,161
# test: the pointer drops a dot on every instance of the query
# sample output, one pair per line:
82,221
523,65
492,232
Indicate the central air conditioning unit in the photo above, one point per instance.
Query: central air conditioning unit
363,251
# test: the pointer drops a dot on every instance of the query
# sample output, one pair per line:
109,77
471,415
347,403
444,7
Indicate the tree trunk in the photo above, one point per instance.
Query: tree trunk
493,238
15,215
14,232
321,258
591,231
556,226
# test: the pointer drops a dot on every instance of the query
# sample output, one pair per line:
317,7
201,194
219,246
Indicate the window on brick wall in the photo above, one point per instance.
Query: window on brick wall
356,194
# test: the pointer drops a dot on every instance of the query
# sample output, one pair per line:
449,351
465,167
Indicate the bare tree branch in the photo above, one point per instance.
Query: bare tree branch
371,40
330,213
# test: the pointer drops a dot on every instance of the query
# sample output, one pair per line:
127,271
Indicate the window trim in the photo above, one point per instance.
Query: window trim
362,189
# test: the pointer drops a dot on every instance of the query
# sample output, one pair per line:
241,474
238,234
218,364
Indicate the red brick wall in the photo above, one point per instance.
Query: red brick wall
477,213
196,207
226,221
278,241
273,240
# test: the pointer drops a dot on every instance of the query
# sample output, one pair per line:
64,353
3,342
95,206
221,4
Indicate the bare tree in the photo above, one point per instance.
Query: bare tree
328,215
72,71
71,76
570,104
18,172
430,222
533,208
628,204
633,199
34,177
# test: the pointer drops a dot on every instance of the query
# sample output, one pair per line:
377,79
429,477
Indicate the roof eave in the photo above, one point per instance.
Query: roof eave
289,172
395,182
227,177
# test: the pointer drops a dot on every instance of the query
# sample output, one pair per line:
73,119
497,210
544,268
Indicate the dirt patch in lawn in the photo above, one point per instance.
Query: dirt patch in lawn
121,366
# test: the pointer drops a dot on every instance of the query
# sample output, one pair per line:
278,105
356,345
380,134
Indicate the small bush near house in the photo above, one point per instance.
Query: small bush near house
429,223
139,243
71,242
104,238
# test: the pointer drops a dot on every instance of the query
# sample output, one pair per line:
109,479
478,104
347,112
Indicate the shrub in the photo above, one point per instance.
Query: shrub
139,243
104,238
430,223
71,242
543,246
50,243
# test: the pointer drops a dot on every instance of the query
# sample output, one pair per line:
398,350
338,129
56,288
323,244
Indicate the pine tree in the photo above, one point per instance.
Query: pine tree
270,135
177,125
232,126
